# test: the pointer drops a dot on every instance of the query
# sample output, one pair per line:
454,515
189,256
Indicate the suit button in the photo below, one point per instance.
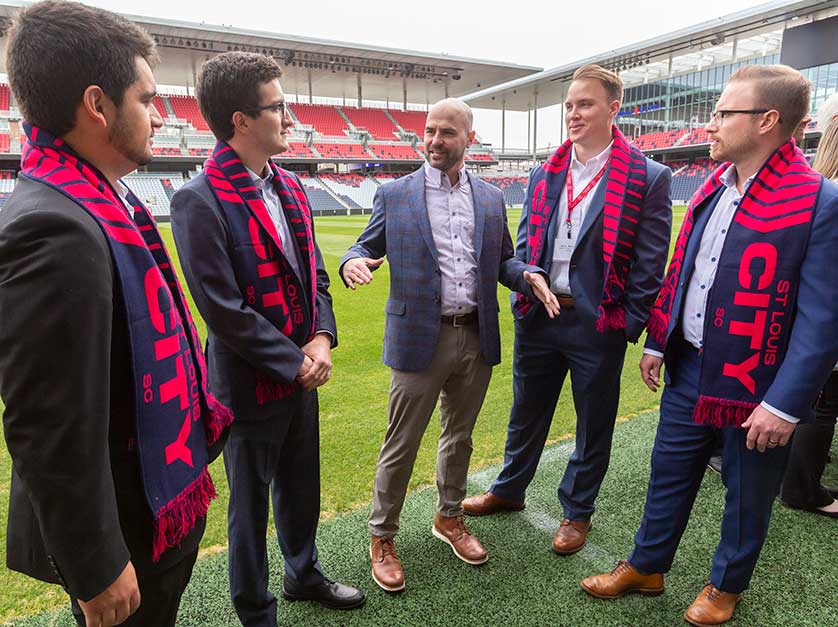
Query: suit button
437,299
682,283
573,266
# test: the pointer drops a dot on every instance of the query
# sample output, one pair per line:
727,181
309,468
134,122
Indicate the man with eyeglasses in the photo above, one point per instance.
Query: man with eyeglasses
244,231
746,324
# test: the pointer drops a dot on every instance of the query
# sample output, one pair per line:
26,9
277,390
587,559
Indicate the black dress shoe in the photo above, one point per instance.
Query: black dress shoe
833,492
812,510
331,594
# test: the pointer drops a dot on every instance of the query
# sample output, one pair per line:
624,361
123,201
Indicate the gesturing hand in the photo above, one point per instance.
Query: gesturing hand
116,603
317,361
766,430
543,293
358,271
650,371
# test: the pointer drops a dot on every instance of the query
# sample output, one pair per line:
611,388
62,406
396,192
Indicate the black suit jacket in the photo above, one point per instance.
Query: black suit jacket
241,343
77,511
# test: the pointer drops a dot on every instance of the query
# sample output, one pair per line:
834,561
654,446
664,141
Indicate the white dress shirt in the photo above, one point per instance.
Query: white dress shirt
451,213
706,263
583,173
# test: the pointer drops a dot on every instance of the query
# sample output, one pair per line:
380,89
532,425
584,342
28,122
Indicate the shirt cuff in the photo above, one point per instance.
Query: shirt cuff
329,333
654,353
780,414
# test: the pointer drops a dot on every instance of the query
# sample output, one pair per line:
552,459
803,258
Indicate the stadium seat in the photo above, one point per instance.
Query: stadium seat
5,96
410,120
186,108
373,120
342,151
663,139
324,118
402,152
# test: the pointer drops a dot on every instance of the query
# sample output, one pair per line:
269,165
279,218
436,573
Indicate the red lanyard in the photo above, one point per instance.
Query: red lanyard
571,201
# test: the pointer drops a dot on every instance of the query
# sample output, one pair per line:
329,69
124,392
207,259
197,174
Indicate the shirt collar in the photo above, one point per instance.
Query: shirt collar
594,162
122,192
728,178
440,179
260,180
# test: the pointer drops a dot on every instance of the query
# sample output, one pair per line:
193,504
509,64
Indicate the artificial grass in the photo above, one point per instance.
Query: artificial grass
353,409
524,583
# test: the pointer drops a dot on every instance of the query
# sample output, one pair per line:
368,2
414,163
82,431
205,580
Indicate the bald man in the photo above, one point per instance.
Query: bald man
445,235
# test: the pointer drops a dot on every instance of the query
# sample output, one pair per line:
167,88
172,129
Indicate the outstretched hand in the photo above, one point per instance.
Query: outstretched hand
543,293
358,271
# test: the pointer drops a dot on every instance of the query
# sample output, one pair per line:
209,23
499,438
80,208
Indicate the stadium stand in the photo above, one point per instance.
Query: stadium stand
376,121
403,152
695,136
321,200
513,187
662,139
5,97
412,121
476,156
298,150
324,118
356,190
154,190
690,178
342,151
186,108
161,107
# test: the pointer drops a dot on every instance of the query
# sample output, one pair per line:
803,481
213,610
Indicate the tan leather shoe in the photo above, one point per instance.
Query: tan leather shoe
712,607
453,532
487,503
386,567
571,536
622,580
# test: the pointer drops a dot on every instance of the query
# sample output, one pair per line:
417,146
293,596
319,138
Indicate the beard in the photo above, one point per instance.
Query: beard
122,138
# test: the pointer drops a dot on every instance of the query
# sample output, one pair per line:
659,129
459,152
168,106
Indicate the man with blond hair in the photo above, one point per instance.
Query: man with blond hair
597,217
745,323
445,236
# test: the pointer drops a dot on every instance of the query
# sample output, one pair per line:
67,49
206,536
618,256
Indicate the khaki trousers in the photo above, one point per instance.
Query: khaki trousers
460,376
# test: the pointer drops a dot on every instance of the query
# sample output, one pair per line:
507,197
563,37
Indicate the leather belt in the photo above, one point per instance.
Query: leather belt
460,320
565,302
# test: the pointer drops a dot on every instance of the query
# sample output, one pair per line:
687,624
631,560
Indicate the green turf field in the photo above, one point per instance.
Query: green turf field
353,421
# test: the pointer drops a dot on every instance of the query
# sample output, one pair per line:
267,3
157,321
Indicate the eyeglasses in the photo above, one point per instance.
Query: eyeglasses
280,108
719,116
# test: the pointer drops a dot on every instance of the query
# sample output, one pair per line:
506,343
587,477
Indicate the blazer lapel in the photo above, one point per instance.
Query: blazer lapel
481,202
420,210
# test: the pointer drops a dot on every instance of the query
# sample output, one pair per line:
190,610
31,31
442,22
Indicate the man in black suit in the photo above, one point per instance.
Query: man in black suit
244,232
78,513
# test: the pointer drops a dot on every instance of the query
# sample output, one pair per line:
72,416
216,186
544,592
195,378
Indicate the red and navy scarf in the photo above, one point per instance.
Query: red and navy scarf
752,304
175,418
266,278
624,193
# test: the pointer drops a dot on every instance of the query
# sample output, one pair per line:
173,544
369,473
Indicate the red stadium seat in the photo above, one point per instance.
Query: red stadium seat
374,120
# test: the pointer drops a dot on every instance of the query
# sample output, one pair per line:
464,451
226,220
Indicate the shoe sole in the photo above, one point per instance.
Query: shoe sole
438,535
504,510
576,549
648,592
390,589
332,606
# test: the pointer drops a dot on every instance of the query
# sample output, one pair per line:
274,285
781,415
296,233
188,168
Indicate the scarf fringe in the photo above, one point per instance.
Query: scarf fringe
220,417
177,518
612,317
721,412
657,326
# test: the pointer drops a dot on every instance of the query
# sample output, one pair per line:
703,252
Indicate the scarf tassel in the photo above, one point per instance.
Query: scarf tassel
220,417
721,412
178,517
612,317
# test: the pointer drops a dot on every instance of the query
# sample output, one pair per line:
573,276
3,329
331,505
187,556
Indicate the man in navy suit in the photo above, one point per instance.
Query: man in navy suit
746,324
245,237
598,217
445,236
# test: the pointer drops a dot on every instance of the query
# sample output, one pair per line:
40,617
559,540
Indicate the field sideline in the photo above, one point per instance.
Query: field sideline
353,412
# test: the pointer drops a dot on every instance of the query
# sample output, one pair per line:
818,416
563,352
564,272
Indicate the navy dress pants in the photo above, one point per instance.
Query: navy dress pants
545,352
679,457
279,457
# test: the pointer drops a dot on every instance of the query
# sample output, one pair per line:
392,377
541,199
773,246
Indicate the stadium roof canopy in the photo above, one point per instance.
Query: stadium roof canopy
318,67
750,33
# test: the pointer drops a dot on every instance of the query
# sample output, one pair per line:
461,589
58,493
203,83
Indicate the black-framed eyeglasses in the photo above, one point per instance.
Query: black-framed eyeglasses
719,116
280,108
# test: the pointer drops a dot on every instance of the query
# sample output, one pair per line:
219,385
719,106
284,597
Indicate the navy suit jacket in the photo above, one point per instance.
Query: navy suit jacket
587,270
813,345
401,229
241,343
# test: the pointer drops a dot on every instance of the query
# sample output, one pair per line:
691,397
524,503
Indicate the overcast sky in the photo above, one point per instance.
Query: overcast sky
540,33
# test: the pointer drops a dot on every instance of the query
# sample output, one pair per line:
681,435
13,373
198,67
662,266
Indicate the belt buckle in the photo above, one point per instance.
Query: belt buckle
455,320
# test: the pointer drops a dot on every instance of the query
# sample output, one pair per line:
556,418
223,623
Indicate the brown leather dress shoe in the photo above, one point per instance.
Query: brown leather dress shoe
571,536
453,532
712,607
622,580
386,567
487,503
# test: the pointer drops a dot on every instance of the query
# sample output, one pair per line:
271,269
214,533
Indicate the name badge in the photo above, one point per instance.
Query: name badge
564,249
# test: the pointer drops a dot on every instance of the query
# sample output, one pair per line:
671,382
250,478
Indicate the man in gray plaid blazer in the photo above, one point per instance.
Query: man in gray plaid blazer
445,236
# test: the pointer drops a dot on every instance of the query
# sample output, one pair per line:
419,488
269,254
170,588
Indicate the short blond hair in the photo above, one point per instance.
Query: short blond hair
613,84
826,159
779,87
